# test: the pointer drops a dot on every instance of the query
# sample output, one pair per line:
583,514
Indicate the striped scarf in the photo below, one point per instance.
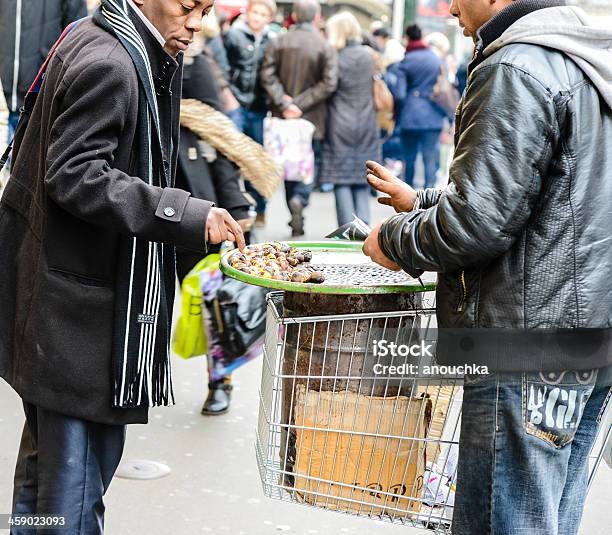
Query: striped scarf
146,271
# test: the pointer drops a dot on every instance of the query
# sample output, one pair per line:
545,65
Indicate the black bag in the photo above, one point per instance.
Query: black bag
239,316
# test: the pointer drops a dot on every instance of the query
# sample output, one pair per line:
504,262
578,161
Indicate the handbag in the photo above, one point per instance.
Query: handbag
238,316
444,94
384,103
289,142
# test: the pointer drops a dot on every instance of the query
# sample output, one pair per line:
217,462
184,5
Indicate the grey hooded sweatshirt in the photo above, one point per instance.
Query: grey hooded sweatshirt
571,31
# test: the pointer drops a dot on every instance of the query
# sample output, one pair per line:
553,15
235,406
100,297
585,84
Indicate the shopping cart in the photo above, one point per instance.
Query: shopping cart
344,425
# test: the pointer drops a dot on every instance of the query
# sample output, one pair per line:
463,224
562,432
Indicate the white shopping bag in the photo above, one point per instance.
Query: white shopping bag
289,142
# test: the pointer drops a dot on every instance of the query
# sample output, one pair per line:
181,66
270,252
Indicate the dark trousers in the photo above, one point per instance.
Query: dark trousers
427,142
64,467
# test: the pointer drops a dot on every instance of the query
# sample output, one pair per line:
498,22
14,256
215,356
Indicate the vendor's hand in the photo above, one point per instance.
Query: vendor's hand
292,112
220,227
372,249
400,195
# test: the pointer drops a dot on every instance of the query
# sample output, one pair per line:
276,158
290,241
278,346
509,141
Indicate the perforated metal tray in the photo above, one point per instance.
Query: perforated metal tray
347,271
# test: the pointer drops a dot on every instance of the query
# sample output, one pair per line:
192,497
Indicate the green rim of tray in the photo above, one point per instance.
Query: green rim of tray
333,246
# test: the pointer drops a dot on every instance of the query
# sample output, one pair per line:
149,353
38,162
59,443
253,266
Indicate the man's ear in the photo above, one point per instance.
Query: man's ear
139,3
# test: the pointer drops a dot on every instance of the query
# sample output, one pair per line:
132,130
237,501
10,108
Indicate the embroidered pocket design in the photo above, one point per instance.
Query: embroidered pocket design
553,404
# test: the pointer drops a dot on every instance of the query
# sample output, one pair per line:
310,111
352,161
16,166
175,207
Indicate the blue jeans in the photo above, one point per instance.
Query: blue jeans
427,142
64,468
524,449
354,199
251,123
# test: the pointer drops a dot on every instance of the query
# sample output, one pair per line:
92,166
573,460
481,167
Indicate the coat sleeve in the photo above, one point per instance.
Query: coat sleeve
508,125
326,86
270,79
80,175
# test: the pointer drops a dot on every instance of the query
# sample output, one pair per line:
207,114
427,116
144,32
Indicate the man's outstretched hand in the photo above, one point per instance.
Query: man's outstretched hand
372,249
220,227
400,195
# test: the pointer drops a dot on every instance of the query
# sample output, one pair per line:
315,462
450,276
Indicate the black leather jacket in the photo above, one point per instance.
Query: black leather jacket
245,56
521,235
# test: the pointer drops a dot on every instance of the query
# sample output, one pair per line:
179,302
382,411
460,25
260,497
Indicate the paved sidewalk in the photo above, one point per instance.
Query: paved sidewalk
214,484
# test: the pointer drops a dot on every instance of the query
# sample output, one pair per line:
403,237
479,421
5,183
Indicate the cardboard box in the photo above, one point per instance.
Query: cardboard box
441,398
345,458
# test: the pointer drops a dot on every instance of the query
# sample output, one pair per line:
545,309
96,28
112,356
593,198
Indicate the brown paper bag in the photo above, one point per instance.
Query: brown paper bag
344,460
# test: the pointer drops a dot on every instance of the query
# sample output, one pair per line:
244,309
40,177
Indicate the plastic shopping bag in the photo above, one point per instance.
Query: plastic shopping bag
289,142
190,338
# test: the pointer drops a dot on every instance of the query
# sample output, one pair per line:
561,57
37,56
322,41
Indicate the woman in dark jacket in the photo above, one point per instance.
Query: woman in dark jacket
207,174
420,119
352,134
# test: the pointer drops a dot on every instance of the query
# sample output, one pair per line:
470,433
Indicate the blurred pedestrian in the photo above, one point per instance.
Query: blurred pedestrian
391,49
28,30
207,174
352,133
246,43
89,221
420,119
300,73
214,42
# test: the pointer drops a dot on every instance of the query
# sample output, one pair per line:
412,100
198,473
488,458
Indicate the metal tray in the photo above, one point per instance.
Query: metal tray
347,271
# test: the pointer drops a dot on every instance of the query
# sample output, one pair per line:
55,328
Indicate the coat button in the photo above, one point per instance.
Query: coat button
169,212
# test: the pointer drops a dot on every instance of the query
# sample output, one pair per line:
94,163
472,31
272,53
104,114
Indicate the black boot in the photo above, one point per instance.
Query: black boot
219,397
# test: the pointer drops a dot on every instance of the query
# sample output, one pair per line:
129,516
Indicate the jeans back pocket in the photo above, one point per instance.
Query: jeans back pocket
553,403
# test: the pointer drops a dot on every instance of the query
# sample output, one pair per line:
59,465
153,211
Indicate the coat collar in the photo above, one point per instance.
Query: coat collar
154,31
163,65
495,27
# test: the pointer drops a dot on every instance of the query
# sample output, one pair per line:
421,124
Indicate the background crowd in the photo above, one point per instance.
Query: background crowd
308,68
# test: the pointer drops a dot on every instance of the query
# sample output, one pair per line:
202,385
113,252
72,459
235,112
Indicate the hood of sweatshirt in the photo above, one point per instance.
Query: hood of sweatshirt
571,31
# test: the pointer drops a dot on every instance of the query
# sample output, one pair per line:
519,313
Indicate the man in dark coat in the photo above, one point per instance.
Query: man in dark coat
207,174
28,29
88,224
300,72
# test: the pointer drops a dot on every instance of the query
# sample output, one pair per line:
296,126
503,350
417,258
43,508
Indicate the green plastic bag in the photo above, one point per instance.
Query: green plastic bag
190,338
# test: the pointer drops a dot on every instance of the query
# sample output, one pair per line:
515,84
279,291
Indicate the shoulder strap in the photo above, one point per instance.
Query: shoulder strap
32,93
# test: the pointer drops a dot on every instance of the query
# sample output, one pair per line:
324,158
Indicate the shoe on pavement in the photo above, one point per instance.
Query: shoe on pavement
296,208
218,400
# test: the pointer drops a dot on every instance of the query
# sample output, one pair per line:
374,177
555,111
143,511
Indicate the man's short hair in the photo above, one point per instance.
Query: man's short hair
414,32
270,5
306,10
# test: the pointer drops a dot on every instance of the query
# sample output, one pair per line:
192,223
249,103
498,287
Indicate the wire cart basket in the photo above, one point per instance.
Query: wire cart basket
345,423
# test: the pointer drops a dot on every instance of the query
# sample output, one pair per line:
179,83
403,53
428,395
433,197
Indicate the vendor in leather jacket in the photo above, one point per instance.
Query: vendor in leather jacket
520,239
